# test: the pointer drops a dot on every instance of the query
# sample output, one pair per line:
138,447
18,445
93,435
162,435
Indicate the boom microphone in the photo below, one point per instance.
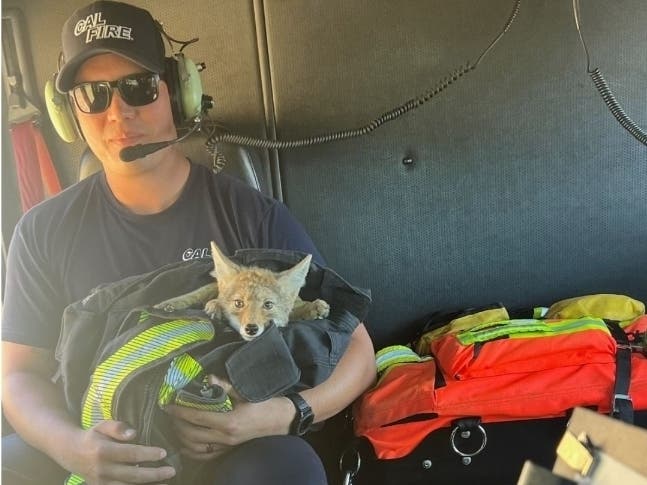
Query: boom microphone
135,152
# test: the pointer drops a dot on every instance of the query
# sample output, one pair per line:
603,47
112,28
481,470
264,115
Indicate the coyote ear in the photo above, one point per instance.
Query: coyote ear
222,266
295,277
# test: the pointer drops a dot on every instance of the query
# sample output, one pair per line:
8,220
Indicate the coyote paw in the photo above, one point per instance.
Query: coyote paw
213,309
320,308
310,310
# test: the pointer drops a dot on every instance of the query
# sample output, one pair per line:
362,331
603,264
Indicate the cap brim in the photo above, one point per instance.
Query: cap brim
67,74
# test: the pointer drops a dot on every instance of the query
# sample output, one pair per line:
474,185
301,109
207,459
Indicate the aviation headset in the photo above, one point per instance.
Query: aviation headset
180,73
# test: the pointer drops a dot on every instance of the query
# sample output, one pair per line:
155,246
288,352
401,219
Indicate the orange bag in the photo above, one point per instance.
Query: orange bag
500,370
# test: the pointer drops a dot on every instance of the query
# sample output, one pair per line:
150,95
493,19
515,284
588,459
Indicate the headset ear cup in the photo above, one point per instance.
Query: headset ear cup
60,112
185,88
190,87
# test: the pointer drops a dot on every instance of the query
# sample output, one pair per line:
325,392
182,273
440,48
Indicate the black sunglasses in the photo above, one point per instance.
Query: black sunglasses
136,90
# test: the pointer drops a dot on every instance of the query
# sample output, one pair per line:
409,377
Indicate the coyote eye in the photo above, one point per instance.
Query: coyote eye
239,303
268,305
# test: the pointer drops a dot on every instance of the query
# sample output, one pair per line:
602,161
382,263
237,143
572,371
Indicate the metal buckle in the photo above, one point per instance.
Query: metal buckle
620,397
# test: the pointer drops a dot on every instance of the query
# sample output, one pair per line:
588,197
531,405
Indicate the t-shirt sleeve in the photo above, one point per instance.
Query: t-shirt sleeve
33,304
281,230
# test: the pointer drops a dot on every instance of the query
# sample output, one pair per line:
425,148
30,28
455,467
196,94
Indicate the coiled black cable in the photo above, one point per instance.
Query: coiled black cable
339,135
603,88
397,112
615,108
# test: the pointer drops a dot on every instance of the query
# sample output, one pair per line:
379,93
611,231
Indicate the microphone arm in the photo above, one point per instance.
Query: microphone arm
135,152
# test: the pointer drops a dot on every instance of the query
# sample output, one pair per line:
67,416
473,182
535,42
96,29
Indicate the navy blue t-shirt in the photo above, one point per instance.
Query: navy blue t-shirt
66,246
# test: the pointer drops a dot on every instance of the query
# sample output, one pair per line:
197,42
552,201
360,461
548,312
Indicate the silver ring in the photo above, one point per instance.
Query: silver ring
452,440
358,462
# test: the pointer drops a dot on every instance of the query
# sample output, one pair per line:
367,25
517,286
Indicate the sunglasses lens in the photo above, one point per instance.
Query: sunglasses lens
92,97
140,89
135,90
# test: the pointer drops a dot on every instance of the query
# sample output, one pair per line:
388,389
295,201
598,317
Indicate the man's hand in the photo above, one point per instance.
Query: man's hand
36,409
207,434
105,456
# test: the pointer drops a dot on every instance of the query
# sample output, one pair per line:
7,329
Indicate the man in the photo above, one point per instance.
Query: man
129,219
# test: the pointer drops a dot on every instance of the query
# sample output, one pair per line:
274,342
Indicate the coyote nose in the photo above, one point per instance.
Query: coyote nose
251,329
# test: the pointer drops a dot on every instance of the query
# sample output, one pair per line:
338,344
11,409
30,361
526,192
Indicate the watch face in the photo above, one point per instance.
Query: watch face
305,422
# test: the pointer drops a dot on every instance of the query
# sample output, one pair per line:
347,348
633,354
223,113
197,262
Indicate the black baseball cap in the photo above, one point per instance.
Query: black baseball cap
104,27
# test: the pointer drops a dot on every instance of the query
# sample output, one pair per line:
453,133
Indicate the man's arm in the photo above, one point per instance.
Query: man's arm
207,434
353,375
35,408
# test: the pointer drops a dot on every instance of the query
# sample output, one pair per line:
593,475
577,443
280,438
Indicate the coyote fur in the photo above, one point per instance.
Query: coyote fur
249,298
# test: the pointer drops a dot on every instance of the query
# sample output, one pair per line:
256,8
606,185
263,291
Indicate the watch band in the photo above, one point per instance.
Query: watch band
304,417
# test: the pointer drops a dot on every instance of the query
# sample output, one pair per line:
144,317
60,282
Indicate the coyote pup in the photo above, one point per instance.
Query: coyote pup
248,298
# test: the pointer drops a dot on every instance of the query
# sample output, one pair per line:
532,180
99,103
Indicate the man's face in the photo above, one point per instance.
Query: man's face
122,125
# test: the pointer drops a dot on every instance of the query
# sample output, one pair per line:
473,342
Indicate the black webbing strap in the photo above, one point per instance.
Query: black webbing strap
622,407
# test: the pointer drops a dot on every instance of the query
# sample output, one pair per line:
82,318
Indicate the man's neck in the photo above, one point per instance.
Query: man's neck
153,185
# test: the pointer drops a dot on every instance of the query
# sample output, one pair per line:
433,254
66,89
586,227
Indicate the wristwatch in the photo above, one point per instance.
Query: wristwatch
304,418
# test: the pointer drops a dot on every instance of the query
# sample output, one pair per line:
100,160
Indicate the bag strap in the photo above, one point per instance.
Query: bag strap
622,407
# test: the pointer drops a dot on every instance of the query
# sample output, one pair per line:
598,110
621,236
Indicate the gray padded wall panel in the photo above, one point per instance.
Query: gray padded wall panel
523,188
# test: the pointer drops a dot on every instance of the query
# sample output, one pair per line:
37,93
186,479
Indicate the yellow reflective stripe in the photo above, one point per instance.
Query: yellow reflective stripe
182,370
529,329
142,350
394,354
144,315
74,480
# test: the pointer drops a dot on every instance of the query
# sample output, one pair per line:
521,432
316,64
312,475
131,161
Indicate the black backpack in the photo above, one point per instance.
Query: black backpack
115,349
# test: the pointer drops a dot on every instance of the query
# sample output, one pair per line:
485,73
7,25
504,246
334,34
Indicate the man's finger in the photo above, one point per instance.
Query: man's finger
193,416
116,430
141,474
131,453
